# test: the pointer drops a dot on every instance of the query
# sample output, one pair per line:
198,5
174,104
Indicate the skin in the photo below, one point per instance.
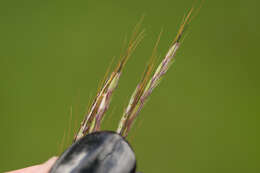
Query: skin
41,168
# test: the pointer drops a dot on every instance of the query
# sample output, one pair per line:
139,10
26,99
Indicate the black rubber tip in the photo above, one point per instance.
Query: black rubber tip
99,152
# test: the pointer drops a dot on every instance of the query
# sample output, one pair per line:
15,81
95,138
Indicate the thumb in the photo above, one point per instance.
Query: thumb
42,168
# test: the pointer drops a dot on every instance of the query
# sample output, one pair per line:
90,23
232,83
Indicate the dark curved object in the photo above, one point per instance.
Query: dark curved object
98,152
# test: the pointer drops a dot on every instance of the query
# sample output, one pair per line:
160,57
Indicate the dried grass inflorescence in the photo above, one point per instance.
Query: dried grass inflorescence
145,88
99,106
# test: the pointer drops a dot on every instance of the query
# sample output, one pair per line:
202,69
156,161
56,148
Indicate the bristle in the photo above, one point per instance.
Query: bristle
106,75
186,21
61,147
69,128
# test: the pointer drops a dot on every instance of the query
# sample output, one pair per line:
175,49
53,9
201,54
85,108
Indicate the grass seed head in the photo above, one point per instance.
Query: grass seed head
145,87
94,116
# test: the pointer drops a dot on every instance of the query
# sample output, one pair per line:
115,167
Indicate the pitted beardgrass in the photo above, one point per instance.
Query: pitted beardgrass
99,106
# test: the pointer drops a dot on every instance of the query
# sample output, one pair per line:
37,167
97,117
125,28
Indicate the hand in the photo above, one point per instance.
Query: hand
41,168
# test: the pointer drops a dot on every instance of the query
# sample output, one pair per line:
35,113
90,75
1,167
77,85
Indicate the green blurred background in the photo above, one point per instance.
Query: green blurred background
202,118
